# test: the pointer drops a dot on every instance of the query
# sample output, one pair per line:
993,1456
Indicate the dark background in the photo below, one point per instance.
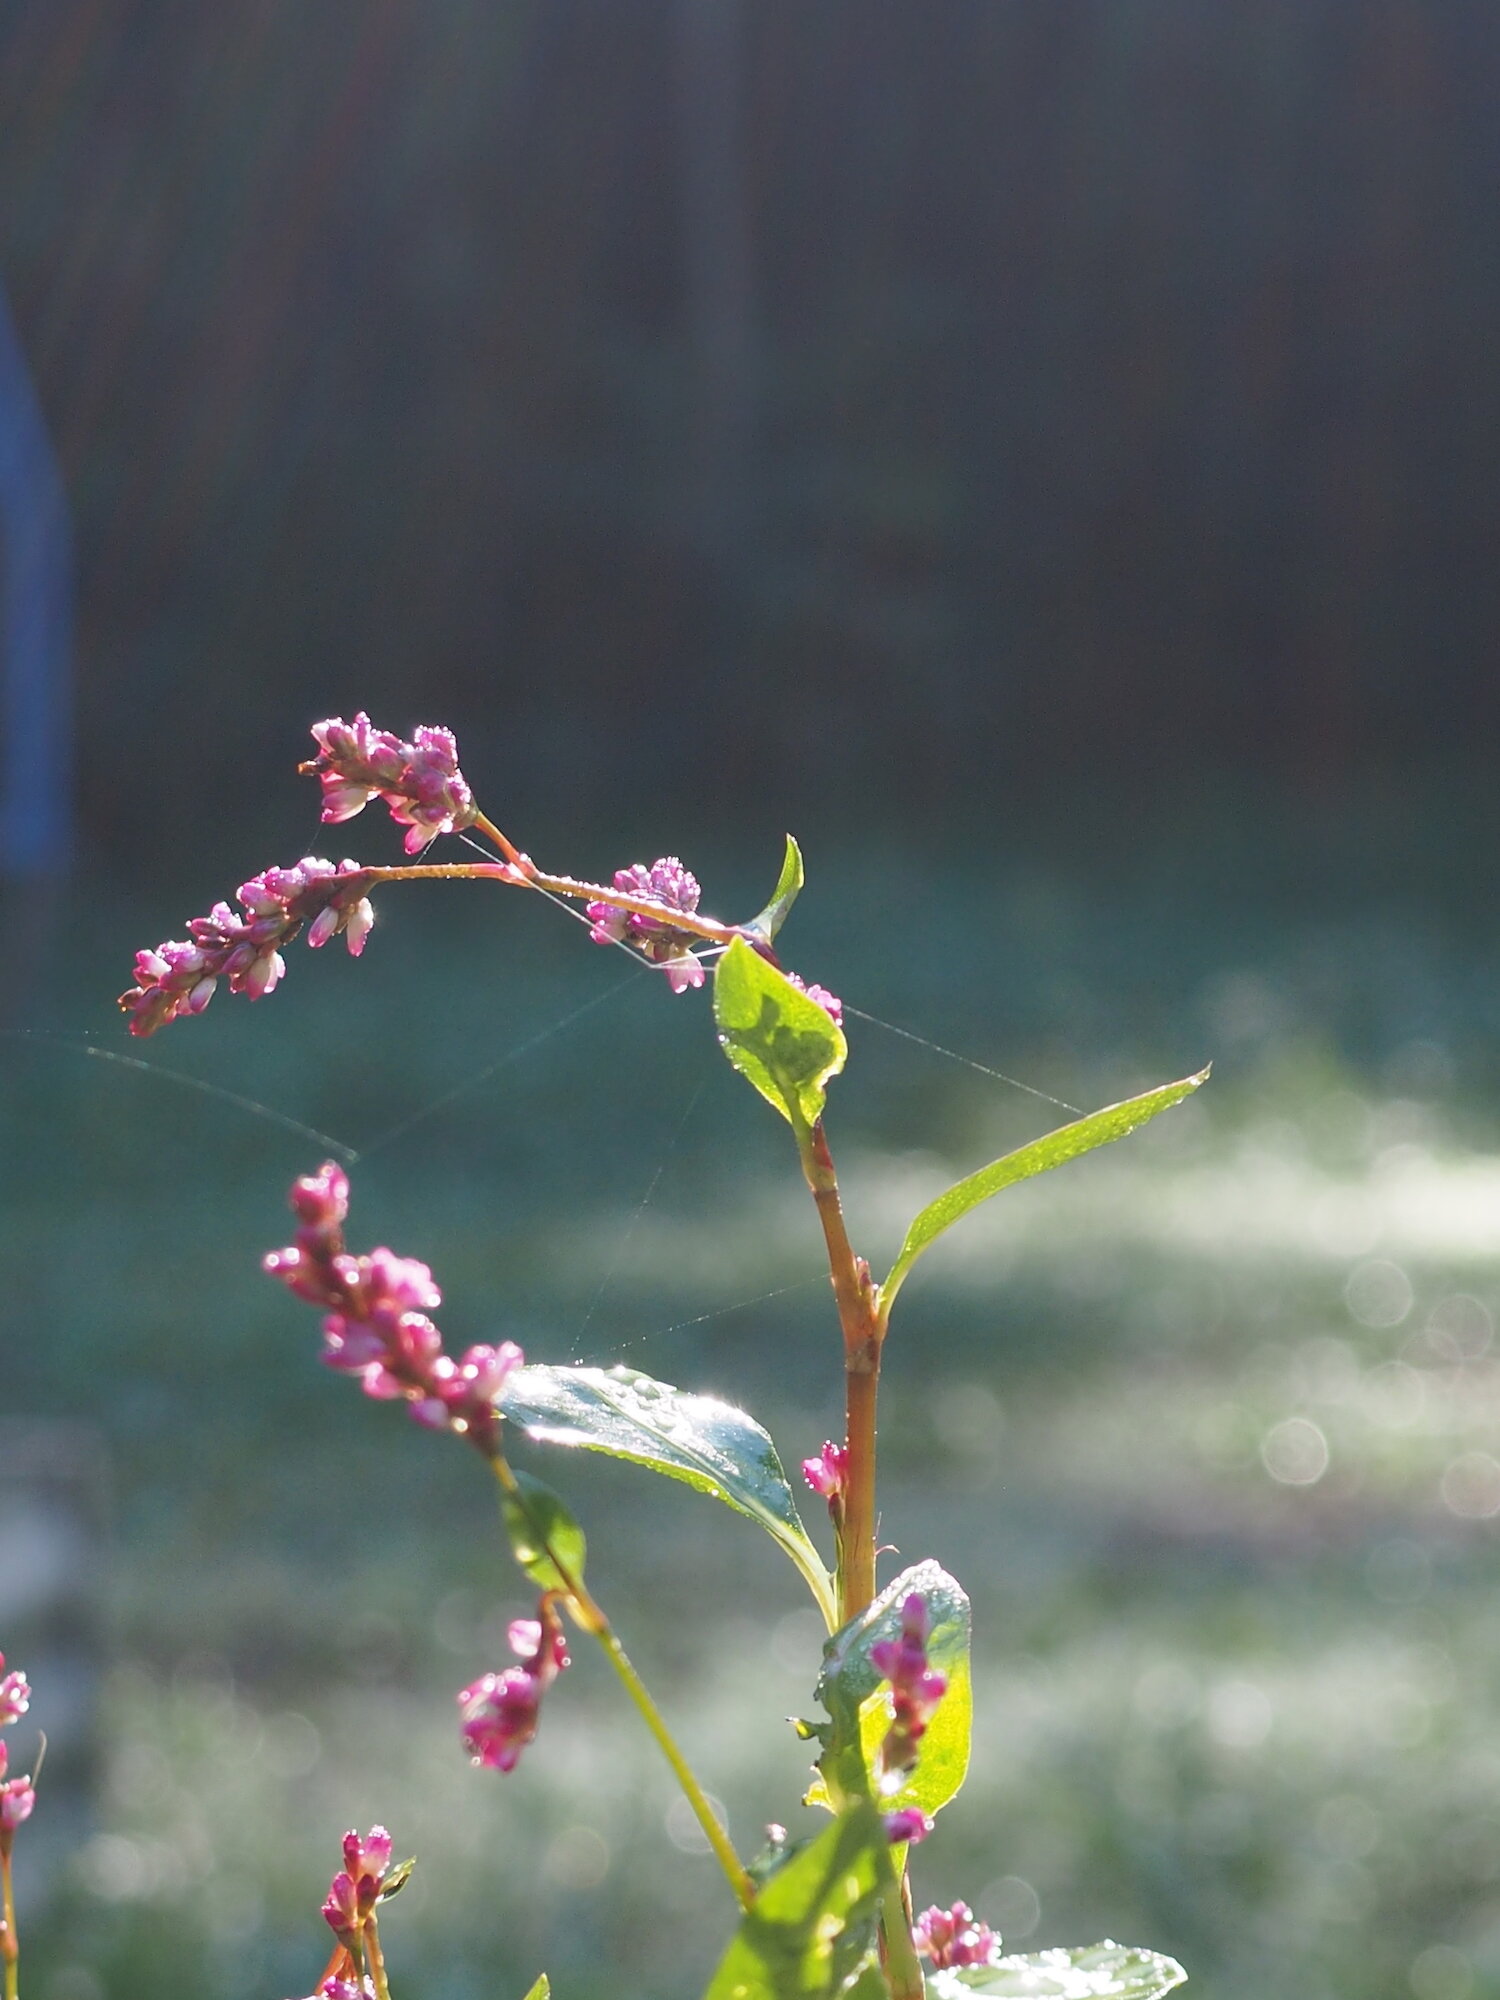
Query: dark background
812,408
1042,453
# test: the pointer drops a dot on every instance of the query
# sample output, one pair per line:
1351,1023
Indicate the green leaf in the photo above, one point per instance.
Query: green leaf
537,1522
1081,1972
1068,1142
857,1697
788,888
776,1037
542,1990
709,1445
395,1879
807,1932
869,1981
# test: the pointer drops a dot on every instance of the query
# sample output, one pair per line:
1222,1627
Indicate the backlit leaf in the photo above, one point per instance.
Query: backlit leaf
1105,1971
788,887
804,1936
538,1522
709,1445
1068,1142
779,1040
857,1697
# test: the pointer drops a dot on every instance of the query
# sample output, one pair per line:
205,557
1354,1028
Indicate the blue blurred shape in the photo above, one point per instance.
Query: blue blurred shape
36,607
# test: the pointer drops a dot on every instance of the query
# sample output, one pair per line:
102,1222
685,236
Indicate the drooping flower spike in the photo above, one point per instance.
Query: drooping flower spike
181,975
499,1713
420,781
377,1326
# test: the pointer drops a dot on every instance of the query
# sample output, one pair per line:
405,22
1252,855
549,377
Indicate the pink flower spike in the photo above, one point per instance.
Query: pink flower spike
916,1690
420,781
179,977
955,1937
673,888
15,1695
498,1717
376,1325
499,1712
16,1801
832,1006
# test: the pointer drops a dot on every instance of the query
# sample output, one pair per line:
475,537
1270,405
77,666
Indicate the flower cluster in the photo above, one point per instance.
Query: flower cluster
17,1795
499,1712
356,1889
665,882
179,976
420,781
955,1937
827,1473
916,1690
377,1326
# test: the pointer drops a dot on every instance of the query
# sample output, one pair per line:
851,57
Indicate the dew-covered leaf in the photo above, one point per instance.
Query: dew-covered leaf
857,1697
540,1526
1054,1149
709,1445
779,1040
788,888
1105,1971
804,1936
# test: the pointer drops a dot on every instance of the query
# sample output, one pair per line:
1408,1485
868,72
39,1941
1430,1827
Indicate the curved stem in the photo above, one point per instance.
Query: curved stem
592,1618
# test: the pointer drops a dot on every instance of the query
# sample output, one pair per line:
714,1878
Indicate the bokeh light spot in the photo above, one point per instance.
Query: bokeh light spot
1295,1452
1471,1486
1378,1293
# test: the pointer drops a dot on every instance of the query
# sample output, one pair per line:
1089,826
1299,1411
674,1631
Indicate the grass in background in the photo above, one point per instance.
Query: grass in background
1229,1396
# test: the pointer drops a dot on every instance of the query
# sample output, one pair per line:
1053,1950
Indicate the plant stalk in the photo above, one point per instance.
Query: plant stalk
375,1958
902,1967
10,1944
519,871
592,1618
859,1320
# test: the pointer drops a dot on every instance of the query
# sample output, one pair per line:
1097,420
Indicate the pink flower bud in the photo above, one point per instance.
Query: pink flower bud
911,1824
832,1006
16,1801
827,1473
15,1695
341,1907
367,1860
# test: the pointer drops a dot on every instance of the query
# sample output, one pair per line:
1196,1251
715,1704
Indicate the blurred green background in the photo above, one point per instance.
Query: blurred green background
1042,454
